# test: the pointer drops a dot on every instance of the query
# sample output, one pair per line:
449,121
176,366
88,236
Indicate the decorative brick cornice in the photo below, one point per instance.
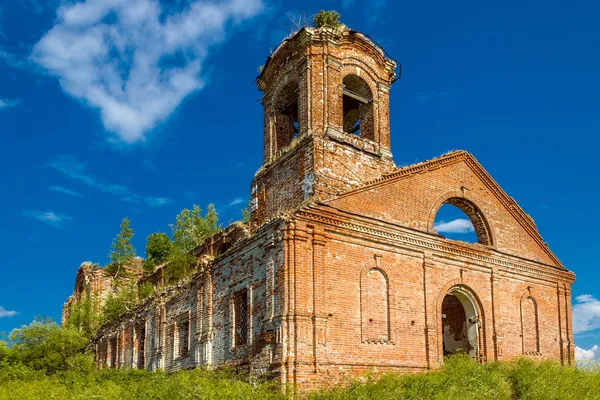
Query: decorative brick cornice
411,238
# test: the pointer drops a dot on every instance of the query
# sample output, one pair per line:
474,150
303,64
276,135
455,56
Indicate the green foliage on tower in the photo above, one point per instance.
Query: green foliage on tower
122,252
246,215
118,302
190,229
327,19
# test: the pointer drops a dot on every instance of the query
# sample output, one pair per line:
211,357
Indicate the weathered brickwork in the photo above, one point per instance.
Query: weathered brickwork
340,271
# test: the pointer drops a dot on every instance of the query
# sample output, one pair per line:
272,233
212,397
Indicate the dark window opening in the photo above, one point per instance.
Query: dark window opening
183,334
357,107
113,352
223,248
287,124
142,348
241,318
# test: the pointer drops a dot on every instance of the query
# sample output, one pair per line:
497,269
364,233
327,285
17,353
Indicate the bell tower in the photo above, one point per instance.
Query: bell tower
326,119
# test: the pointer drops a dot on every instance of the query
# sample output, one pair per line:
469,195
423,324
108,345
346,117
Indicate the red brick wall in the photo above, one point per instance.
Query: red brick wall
332,254
412,200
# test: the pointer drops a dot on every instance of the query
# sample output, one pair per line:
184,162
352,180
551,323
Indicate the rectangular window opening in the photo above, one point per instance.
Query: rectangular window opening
241,318
183,334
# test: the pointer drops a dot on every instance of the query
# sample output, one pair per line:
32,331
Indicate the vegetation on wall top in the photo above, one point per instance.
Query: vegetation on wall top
327,19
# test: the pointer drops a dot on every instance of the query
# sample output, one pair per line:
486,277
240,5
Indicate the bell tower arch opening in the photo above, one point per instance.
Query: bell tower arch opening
286,117
357,105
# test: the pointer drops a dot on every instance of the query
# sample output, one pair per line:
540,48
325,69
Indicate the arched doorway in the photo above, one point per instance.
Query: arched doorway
460,323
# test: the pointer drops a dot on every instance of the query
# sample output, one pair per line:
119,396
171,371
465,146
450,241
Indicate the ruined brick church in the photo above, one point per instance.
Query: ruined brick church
340,271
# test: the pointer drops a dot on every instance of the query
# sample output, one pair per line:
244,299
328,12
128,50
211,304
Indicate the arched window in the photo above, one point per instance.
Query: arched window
286,119
529,326
460,323
223,248
376,312
358,107
460,219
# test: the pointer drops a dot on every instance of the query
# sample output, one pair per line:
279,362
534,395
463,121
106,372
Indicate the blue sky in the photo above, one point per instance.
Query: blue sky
109,111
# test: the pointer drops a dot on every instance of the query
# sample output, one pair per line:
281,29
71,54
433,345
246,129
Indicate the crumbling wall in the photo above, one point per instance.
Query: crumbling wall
204,304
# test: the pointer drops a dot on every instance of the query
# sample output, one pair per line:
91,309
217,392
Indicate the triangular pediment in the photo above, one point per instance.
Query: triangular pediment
411,197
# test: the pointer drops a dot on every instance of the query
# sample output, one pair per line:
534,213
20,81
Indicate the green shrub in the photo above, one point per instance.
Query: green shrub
145,290
328,19
463,378
43,345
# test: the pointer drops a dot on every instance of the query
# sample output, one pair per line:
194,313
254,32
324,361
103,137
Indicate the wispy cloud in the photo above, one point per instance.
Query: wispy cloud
148,164
135,60
68,165
586,314
6,313
235,202
13,60
460,225
38,6
149,200
6,104
55,220
59,189
157,201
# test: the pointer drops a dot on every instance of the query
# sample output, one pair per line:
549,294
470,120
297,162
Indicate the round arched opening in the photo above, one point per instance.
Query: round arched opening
460,323
357,107
460,219
287,124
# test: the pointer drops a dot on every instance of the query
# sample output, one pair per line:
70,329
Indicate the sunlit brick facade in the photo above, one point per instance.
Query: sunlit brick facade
340,271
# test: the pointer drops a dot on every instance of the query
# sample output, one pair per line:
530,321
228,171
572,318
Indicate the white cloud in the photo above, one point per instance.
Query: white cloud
587,355
460,225
157,201
6,313
235,202
59,189
68,165
56,220
6,104
135,60
586,314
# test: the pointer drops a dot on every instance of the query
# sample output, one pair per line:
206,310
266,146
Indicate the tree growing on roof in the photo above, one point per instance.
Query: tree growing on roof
122,251
189,231
327,19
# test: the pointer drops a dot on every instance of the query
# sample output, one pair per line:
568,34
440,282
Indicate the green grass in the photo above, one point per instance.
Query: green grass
460,378
20,383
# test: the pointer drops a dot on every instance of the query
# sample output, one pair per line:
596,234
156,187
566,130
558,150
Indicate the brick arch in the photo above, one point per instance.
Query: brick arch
362,70
459,285
364,313
530,328
471,210
369,116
